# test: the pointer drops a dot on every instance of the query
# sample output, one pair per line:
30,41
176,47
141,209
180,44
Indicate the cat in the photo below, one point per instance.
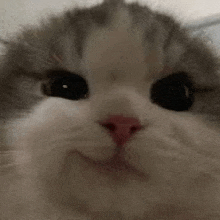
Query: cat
109,112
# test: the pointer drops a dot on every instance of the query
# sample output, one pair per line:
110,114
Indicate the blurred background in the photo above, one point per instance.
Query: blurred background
200,15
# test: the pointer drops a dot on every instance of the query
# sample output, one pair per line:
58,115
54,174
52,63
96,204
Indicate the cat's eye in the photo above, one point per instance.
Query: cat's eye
174,92
65,85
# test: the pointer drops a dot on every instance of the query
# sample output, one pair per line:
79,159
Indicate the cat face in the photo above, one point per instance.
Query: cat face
122,127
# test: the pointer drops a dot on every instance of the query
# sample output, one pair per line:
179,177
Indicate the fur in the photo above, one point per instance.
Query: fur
121,50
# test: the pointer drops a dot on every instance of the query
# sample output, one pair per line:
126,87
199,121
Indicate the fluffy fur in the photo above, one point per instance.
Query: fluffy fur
121,50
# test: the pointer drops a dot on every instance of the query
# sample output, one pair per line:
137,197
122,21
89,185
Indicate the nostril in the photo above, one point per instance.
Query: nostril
109,126
134,129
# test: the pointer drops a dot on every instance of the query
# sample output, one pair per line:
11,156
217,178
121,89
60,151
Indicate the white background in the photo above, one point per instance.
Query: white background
14,13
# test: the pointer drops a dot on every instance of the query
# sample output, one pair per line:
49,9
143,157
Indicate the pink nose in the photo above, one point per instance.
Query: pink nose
121,128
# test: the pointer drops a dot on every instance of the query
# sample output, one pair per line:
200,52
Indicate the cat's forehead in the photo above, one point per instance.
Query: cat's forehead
113,50
121,48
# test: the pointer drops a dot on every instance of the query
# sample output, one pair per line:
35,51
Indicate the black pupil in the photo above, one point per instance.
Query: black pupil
174,92
66,85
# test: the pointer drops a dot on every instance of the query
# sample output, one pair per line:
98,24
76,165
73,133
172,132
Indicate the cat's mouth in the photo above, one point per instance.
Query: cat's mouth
115,166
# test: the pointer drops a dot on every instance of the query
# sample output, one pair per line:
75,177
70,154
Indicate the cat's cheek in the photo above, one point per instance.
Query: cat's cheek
184,158
38,140
46,126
